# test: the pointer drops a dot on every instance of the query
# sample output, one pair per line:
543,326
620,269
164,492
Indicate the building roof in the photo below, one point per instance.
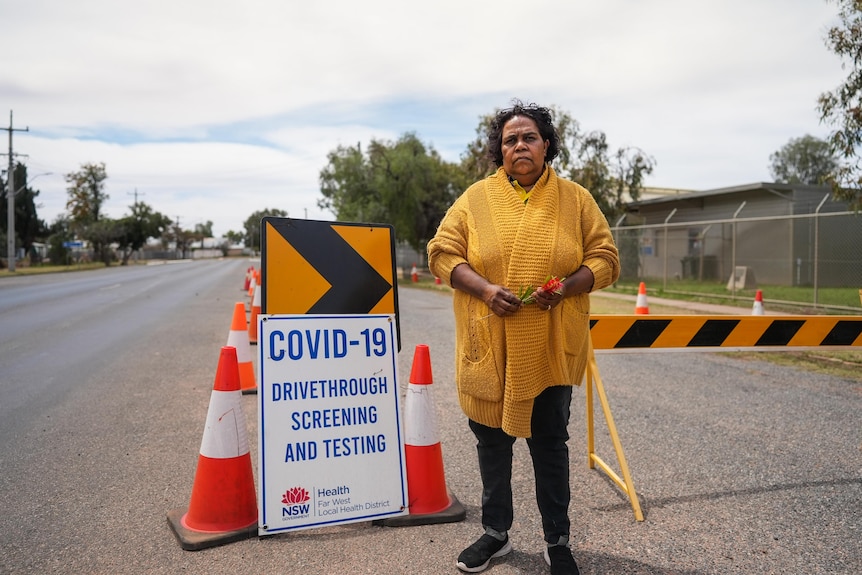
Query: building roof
758,199
785,191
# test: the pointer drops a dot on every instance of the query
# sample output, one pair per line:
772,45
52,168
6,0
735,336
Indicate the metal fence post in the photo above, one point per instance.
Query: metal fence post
817,245
733,252
666,231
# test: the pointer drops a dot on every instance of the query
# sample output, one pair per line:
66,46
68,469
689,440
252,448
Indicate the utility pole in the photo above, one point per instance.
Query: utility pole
135,193
135,210
177,239
10,199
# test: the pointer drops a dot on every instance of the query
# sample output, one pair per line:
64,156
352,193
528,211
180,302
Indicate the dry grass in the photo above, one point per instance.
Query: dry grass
844,364
48,269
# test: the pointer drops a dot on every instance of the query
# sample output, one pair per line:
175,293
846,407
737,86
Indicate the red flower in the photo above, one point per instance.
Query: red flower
553,285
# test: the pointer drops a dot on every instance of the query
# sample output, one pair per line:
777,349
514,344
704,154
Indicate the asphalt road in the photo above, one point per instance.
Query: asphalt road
741,466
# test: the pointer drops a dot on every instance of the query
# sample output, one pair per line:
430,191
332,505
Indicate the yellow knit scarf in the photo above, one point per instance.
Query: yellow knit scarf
527,240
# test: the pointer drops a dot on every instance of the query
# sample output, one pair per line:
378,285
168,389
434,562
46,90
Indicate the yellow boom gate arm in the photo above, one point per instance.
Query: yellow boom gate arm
639,333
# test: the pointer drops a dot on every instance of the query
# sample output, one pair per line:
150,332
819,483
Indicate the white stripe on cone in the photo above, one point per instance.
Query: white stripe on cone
255,302
421,427
225,433
239,340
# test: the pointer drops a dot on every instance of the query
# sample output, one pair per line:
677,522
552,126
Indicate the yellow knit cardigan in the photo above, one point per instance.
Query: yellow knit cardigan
502,364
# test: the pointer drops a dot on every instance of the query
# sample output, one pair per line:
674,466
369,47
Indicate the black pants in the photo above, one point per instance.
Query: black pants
550,456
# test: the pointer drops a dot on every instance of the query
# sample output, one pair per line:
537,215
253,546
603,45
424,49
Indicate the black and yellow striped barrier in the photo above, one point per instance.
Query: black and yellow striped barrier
724,333
620,333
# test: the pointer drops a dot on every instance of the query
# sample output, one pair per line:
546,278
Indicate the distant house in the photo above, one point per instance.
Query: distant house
784,234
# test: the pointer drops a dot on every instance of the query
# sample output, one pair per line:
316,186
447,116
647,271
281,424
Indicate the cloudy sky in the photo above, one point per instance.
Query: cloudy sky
212,110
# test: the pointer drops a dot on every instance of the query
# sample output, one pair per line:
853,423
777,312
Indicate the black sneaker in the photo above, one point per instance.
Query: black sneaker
559,557
476,557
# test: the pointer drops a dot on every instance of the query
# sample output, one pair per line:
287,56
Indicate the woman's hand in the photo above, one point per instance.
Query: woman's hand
549,299
579,282
501,300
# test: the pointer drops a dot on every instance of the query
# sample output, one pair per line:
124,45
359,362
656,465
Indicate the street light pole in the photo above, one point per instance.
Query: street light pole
30,181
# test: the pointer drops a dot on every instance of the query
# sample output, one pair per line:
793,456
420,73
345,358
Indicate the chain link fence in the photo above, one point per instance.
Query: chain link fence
811,259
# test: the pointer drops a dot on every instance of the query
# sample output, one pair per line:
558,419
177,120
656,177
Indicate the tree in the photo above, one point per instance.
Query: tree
28,226
805,160
60,233
476,163
842,107
413,186
134,230
613,180
234,237
252,225
403,183
102,234
347,188
203,231
86,192
182,238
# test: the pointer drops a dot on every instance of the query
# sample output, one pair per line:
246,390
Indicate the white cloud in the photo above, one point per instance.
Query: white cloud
213,110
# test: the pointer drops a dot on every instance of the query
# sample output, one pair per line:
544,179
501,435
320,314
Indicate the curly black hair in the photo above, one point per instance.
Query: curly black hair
539,114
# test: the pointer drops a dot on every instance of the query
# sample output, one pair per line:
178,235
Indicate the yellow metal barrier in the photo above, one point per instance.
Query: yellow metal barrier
627,333
625,483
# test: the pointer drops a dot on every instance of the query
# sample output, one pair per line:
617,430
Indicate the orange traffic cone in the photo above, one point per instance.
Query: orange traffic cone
238,337
223,506
414,274
430,501
255,310
757,308
641,305
247,279
252,283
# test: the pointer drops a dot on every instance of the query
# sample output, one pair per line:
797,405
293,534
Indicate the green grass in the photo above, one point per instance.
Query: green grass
712,292
49,269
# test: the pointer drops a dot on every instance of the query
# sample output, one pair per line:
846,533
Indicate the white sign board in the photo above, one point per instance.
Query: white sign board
330,438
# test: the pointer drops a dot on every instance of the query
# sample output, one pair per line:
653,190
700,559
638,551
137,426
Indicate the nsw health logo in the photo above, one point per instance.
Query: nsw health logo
296,504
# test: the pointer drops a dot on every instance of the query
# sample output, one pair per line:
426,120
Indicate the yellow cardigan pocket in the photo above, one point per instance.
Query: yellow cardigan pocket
576,344
476,369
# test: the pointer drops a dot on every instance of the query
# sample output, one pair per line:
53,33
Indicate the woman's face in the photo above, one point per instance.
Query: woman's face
523,150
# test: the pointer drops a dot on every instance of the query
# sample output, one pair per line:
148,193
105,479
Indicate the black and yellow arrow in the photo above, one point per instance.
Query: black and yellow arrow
314,267
726,333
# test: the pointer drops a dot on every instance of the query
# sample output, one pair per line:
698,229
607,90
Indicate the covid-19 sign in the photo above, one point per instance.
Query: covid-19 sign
330,436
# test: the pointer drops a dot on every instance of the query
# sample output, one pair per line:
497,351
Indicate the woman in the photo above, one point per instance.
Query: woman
517,361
